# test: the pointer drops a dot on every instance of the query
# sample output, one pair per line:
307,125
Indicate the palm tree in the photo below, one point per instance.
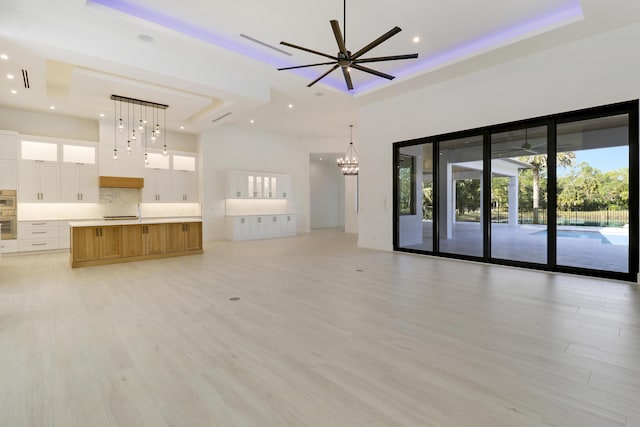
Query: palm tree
539,162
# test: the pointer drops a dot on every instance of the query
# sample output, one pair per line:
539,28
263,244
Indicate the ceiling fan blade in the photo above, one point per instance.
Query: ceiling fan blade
322,76
387,58
392,32
304,66
335,26
374,72
309,50
347,78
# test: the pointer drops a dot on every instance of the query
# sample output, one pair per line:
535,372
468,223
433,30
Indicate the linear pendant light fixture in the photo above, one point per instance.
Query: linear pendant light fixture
349,163
141,129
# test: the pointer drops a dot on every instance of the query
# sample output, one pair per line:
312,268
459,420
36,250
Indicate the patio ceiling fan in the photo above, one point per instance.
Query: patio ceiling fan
346,60
528,147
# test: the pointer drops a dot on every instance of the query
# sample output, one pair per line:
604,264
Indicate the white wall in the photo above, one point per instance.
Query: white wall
326,193
48,124
594,71
231,148
132,165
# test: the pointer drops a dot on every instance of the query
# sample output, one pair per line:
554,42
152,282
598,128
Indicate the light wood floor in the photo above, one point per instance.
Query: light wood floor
324,334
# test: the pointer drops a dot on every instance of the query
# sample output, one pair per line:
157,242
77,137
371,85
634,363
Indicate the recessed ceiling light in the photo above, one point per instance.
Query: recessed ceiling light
145,38
101,114
252,121
416,39
52,107
320,158
319,93
4,57
181,127
290,105
10,76
13,91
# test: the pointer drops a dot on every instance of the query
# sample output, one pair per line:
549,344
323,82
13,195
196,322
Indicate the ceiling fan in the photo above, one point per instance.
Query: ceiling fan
526,147
347,60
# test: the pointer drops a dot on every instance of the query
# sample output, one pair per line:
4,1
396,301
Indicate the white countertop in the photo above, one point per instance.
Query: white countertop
263,214
105,223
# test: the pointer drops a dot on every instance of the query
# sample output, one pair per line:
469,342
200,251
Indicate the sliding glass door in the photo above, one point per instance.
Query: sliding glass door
414,184
519,195
460,196
592,168
557,193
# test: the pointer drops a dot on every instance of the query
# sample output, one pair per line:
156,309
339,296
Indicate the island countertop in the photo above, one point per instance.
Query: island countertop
106,223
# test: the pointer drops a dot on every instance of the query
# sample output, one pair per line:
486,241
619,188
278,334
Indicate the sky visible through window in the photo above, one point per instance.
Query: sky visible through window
604,159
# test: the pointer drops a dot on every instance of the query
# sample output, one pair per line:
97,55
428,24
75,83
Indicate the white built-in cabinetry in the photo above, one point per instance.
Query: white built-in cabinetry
170,181
43,235
256,185
184,181
248,227
39,181
8,156
257,206
60,171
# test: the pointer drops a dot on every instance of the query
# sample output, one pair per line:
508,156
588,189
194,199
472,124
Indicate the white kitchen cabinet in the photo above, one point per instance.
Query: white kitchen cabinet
38,181
8,246
8,156
249,227
256,185
8,145
38,235
184,186
237,185
157,186
8,174
79,183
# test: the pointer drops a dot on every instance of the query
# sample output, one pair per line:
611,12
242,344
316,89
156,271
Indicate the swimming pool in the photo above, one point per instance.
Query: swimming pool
578,234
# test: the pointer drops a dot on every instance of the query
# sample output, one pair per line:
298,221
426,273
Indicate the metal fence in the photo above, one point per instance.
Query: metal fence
601,218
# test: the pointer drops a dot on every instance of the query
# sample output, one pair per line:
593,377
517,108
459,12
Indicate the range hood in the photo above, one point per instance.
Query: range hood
121,182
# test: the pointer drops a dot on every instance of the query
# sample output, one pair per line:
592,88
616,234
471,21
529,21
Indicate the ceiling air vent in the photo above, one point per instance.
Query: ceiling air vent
221,117
265,44
25,78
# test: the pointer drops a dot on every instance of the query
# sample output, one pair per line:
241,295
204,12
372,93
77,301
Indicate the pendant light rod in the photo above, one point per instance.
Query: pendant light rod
139,102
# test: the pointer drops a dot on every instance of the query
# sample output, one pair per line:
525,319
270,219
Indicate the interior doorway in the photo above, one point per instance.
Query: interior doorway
327,192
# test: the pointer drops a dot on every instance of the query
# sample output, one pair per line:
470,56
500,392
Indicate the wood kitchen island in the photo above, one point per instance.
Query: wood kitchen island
108,242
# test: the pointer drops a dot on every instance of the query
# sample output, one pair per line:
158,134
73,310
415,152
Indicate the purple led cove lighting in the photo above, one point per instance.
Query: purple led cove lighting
570,13
562,16
211,37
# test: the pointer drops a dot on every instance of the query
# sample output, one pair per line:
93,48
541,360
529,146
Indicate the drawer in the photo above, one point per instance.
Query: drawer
7,246
38,229
37,244
38,224
31,232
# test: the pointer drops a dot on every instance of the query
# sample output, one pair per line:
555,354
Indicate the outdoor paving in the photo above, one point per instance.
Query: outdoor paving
597,248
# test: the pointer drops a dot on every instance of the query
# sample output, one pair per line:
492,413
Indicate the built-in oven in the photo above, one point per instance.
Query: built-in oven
8,224
8,216
8,199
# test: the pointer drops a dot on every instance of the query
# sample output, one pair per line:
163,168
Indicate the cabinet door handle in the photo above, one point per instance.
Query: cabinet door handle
97,232
237,194
38,244
38,223
284,195
38,232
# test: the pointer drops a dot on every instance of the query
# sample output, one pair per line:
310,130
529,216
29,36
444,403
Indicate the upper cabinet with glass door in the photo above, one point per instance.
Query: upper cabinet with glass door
256,185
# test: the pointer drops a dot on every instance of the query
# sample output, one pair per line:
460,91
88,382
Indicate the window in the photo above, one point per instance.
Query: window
406,185
557,193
